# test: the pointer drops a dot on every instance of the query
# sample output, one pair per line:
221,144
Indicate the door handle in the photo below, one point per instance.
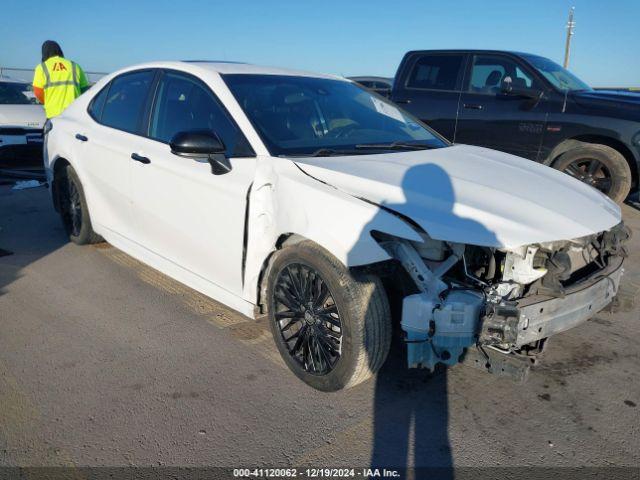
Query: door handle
408,100
473,106
80,137
140,158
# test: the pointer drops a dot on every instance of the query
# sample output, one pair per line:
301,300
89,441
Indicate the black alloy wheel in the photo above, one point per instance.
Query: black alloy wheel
331,324
73,209
600,167
592,172
308,319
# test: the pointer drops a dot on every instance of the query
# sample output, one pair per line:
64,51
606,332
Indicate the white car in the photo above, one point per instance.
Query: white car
21,123
308,198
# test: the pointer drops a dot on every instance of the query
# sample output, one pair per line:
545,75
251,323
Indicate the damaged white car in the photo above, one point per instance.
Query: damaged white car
308,198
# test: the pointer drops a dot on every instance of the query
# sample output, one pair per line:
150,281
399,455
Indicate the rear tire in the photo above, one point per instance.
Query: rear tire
73,209
304,282
600,166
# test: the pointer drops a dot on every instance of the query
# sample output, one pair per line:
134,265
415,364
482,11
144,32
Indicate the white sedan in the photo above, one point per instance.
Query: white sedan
21,123
308,198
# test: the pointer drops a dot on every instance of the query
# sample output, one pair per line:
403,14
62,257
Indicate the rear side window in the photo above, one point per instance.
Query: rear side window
436,72
183,103
126,100
97,104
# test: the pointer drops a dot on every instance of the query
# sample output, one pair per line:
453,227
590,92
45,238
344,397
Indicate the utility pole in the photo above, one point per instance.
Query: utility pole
570,25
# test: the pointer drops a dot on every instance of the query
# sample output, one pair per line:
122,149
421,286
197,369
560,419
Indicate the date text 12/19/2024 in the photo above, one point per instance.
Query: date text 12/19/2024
315,473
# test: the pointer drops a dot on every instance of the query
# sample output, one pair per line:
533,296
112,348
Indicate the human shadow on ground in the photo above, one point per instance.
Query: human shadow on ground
29,230
411,412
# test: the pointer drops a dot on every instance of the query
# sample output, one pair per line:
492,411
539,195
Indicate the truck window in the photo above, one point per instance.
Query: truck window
436,72
489,71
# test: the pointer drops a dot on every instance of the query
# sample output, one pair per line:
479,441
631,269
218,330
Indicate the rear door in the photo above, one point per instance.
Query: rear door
182,211
430,88
106,145
490,118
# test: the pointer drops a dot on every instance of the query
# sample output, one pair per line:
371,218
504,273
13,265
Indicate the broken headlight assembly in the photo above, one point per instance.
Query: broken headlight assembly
487,306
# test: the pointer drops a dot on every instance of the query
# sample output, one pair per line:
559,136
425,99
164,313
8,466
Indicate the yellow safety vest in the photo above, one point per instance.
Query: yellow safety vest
62,81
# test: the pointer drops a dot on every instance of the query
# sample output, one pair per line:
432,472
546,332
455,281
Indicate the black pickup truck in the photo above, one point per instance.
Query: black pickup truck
529,106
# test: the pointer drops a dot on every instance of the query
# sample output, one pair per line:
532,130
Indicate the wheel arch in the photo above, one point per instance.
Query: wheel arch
380,268
573,142
284,240
330,218
58,169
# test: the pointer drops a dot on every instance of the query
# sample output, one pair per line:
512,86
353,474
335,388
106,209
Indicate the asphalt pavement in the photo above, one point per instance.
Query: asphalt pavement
106,362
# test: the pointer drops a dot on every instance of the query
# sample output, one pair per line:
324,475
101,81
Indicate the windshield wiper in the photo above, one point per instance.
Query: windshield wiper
324,152
394,146
357,149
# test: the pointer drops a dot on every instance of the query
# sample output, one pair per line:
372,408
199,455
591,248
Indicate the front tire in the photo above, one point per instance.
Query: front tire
73,209
600,166
332,328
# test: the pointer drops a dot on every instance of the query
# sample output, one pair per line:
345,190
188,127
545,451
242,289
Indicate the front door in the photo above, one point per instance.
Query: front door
490,118
182,211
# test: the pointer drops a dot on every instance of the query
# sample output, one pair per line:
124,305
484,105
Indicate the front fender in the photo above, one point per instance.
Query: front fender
284,200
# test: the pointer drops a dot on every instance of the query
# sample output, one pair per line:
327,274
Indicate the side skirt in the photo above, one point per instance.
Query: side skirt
178,273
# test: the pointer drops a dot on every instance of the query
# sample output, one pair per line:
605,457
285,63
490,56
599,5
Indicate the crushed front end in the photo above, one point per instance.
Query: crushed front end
494,308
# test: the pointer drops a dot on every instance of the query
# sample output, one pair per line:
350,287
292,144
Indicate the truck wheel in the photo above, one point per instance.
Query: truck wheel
600,166
74,211
332,328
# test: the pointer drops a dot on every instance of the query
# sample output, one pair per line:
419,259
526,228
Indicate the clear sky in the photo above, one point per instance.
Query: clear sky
346,37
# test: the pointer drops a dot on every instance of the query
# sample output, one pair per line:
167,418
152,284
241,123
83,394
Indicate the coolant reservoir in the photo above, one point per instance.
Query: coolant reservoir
459,314
439,332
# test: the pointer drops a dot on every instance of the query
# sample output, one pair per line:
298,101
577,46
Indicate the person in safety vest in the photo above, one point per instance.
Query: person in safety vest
57,81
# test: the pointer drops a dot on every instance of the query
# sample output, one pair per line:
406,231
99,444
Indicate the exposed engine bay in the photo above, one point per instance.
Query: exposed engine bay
494,308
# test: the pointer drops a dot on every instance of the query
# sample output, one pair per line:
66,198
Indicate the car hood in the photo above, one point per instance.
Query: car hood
472,195
608,98
25,116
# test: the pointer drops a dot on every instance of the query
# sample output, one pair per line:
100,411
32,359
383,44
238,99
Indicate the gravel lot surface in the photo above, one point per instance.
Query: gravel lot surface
105,361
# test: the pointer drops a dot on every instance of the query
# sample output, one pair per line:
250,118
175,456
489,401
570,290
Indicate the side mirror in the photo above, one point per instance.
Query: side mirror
202,144
515,89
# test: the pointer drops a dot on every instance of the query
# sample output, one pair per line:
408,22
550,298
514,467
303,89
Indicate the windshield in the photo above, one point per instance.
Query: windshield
314,116
13,93
560,77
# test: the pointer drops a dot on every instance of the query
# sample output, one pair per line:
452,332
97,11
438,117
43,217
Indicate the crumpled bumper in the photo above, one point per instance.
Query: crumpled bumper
542,317
438,331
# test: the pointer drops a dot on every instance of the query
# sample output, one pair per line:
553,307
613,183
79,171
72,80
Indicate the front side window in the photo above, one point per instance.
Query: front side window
126,99
560,77
436,72
489,72
14,93
302,115
185,104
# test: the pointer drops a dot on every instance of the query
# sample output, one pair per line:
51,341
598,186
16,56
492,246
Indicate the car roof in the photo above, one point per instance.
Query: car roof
469,50
247,68
228,68
371,78
4,79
